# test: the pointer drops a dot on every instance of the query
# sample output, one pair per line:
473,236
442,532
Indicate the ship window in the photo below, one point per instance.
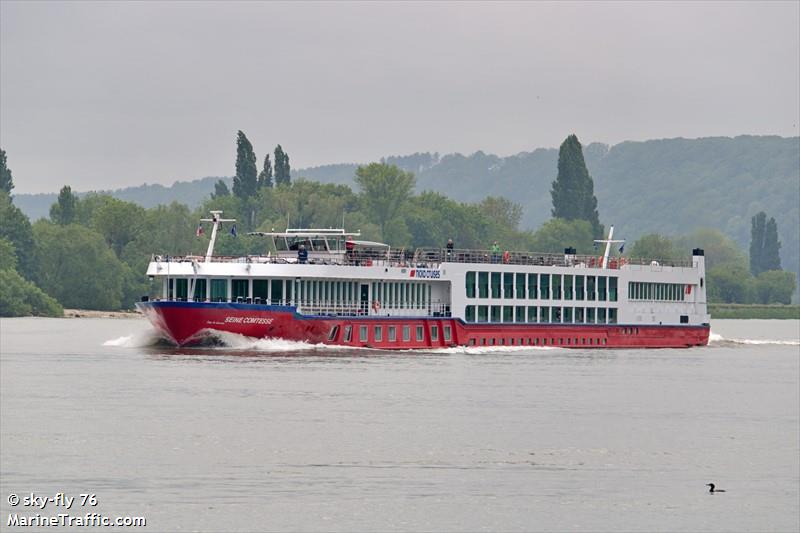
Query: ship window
446,333
612,315
469,313
495,284
579,287
261,289
612,289
568,315
434,333
601,288
406,333
590,284
362,333
496,309
392,334
520,313
520,286
568,287
684,319
532,286
532,313
508,285
239,289
277,291
590,315
508,313
544,286
182,288
557,315
492,341
483,284
483,313
556,282
200,289
378,332
333,333
601,315
470,284
420,334
219,290
544,314
579,315
348,333
472,342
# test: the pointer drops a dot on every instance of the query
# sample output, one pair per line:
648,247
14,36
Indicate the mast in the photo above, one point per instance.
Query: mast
215,218
604,263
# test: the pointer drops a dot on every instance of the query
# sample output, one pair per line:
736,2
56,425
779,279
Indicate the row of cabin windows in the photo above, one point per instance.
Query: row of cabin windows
541,341
540,314
522,286
668,292
401,295
391,333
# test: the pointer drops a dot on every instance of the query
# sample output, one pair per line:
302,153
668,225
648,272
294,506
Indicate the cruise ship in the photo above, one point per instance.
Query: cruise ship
327,286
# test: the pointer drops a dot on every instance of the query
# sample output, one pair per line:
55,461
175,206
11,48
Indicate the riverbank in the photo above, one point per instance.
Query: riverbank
89,313
751,311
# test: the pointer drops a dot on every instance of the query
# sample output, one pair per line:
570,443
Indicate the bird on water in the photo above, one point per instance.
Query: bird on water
713,488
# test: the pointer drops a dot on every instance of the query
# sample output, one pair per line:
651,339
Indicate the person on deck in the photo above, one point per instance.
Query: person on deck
302,254
349,247
449,248
495,252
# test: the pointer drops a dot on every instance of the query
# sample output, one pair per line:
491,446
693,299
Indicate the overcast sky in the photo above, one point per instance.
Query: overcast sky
111,94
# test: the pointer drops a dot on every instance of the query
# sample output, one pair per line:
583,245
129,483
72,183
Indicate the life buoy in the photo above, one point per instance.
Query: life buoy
376,306
506,257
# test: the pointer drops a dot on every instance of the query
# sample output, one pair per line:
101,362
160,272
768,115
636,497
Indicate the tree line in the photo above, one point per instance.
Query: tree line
93,251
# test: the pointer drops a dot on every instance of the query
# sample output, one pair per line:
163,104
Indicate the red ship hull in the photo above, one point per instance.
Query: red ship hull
186,323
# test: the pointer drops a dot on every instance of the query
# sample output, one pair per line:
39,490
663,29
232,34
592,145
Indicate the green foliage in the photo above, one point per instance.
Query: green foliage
220,189
729,283
245,183
751,311
774,286
265,177
119,223
65,210
557,234
6,181
719,249
654,246
283,170
772,246
16,227
20,297
502,210
8,255
385,188
573,190
75,266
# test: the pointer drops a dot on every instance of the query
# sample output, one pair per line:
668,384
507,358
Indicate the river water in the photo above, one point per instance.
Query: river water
274,436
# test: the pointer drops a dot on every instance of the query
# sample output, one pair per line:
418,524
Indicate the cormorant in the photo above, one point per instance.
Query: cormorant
712,490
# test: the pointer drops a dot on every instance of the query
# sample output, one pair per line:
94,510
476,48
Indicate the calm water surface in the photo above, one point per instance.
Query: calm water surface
266,435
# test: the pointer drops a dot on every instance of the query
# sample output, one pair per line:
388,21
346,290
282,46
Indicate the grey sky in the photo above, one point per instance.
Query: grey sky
110,94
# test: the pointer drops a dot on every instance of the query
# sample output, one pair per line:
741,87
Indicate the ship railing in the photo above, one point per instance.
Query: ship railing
433,257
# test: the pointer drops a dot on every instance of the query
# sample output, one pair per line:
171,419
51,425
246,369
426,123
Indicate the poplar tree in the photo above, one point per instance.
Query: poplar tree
764,244
245,183
6,182
265,178
573,190
220,190
63,212
282,169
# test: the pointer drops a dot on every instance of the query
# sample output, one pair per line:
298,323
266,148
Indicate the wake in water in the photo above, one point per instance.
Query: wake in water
715,339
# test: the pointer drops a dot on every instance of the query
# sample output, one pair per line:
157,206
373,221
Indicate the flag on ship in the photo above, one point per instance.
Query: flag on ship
200,231
622,248
233,230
